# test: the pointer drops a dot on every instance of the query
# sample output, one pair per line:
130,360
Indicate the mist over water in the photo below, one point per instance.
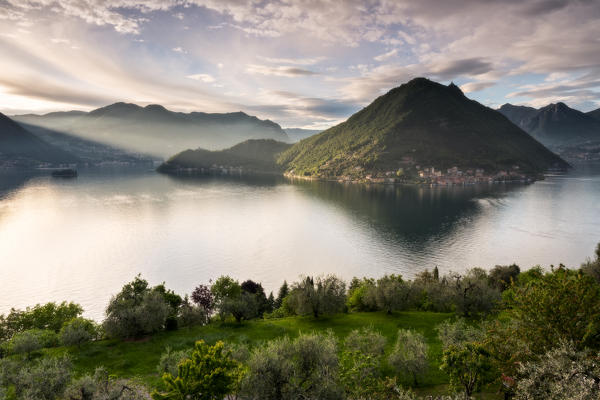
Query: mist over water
82,239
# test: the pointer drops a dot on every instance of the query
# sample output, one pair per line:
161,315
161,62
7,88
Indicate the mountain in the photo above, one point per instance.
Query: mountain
254,156
19,147
556,125
595,114
419,124
157,131
519,115
297,134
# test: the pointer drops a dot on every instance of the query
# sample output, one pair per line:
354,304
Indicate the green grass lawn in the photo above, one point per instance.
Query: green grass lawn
138,359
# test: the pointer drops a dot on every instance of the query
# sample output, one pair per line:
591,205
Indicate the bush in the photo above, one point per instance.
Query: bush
501,277
29,341
170,360
323,295
409,356
101,386
45,379
361,363
135,311
360,295
78,331
209,374
190,314
306,367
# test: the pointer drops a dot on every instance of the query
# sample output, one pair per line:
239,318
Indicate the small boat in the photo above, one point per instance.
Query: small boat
64,173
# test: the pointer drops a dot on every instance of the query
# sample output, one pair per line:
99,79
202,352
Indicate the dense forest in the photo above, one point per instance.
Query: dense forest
502,333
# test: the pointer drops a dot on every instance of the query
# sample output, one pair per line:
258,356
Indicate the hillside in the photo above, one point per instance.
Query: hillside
419,124
157,131
555,125
256,155
19,147
595,114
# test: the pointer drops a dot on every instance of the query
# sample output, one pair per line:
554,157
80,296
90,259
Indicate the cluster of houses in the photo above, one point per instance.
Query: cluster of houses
456,176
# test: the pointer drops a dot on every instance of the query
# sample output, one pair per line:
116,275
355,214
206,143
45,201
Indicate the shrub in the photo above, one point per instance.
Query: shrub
209,374
409,356
592,267
102,386
190,314
306,367
360,295
78,331
170,360
472,293
501,277
45,379
25,343
323,295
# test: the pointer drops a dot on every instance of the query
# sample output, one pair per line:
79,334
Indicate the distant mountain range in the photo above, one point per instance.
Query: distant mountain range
21,148
556,125
155,130
410,133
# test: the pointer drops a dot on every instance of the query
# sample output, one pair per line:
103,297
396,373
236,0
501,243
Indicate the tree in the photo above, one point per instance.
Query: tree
285,369
203,297
409,356
50,316
457,333
392,293
283,292
361,363
136,310
260,298
101,386
242,307
78,331
361,295
545,313
225,287
473,295
468,367
190,314
210,374
323,295
502,276
592,267
25,343
563,373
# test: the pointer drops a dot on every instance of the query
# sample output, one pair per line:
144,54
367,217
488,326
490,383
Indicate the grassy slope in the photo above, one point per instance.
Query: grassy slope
139,359
435,124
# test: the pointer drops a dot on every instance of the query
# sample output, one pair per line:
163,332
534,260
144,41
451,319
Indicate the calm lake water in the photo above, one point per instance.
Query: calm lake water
82,239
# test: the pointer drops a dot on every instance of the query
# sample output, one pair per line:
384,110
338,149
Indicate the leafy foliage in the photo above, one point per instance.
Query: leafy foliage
209,374
323,295
78,331
102,386
468,367
409,356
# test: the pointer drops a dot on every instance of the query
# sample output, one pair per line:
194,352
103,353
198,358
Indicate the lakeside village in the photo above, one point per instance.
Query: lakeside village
452,176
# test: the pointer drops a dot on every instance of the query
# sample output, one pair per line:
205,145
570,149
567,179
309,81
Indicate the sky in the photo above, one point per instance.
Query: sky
300,63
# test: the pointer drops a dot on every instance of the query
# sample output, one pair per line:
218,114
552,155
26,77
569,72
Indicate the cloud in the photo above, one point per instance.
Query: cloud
202,77
466,67
278,71
476,86
386,56
179,50
293,61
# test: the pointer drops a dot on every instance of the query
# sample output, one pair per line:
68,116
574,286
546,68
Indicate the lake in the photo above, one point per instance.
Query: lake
82,239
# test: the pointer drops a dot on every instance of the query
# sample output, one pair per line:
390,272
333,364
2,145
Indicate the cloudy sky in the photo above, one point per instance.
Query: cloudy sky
302,63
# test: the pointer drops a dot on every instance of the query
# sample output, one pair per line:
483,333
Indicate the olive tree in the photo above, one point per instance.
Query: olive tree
45,379
458,332
286,369
137,310
318,296
563,373
472,293
78,331
409,356
361,363
468,367
391,293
